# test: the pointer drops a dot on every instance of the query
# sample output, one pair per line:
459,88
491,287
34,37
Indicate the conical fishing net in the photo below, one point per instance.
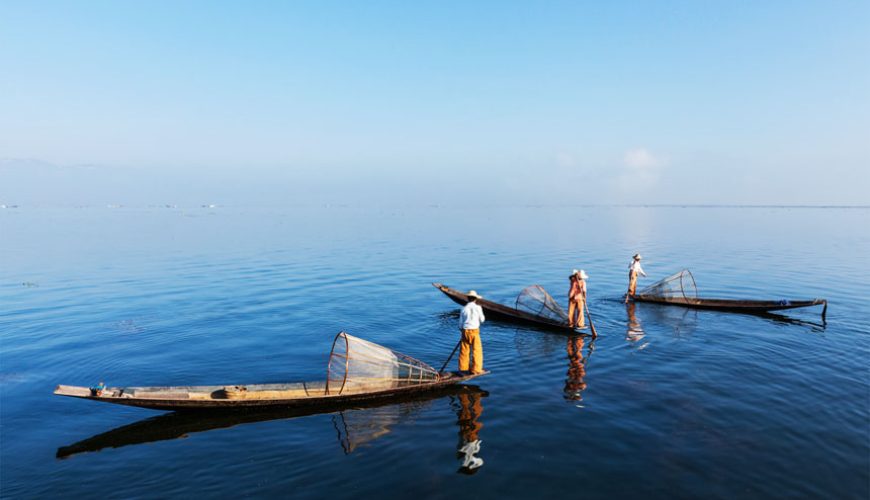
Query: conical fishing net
535,300
357,365
677,286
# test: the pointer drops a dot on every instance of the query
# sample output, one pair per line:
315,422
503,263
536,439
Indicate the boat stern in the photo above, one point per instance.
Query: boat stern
457,377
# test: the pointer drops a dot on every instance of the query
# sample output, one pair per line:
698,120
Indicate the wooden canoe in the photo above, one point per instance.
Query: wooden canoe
679,289
358,370
499,311
177,425
735,305
292,395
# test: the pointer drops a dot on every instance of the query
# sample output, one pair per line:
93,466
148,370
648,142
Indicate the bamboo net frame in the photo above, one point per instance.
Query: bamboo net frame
678,285
536,301
357,365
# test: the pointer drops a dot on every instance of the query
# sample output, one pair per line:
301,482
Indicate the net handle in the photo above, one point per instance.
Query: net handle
346,361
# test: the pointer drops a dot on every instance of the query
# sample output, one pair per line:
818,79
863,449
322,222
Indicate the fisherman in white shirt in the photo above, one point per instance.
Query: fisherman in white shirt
633,270
469,324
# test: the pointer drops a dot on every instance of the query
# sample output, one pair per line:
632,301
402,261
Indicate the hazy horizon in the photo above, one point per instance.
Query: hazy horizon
488,103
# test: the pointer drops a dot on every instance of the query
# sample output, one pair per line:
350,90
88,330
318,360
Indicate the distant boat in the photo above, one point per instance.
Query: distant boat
534,306
358,370
680,290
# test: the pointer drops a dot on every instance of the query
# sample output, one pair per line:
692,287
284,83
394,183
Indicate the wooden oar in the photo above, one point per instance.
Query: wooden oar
449,358
591,324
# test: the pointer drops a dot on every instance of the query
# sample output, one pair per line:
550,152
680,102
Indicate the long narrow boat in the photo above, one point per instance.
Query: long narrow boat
544,311
177,425
357,371
680,290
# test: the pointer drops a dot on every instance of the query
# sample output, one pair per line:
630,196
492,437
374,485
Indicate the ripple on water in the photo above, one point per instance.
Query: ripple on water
666,402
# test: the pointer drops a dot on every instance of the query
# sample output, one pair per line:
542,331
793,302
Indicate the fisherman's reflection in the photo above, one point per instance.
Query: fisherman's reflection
634,332
470,408
575,382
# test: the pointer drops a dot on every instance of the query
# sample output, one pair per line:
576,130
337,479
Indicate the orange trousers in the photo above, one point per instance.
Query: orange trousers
632,283
471,341
576,305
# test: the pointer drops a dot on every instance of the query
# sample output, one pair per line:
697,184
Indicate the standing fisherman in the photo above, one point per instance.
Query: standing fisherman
577,299
469,324
633,269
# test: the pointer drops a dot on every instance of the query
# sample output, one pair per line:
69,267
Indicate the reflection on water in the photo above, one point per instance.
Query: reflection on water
469,411
683,321
532,345
779,318
575,382
149,297
635,330
359,427
356,425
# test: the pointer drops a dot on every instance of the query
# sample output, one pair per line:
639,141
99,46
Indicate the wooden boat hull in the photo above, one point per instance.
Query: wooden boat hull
503,312
177,425
735,305
313,395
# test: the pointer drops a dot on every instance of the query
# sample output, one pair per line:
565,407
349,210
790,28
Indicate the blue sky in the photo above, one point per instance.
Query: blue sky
425,102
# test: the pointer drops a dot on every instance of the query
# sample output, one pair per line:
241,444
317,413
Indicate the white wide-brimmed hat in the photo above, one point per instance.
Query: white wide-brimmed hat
583,275
575,272
637,256
474,294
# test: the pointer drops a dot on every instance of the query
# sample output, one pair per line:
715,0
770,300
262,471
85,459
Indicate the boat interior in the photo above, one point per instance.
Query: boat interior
299,390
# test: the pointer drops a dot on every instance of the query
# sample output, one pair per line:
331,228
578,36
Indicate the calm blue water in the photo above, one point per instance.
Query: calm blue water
666,403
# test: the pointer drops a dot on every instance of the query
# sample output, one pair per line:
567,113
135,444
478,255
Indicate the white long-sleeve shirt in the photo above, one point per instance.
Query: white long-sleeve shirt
471,316
635,266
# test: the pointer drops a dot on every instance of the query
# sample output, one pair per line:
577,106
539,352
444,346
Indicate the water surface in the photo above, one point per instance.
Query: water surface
668,402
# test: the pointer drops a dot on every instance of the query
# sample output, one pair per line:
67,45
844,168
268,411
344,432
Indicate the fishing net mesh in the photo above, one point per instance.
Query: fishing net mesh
357,365
676,286
535,300
359,427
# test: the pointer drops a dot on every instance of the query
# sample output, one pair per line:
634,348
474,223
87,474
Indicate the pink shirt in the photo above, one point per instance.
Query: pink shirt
578,289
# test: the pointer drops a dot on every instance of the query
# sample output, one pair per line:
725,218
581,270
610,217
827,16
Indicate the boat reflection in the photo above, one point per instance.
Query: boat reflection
469,407
575,382
682,321
779,318
359,426
534,347
356,424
